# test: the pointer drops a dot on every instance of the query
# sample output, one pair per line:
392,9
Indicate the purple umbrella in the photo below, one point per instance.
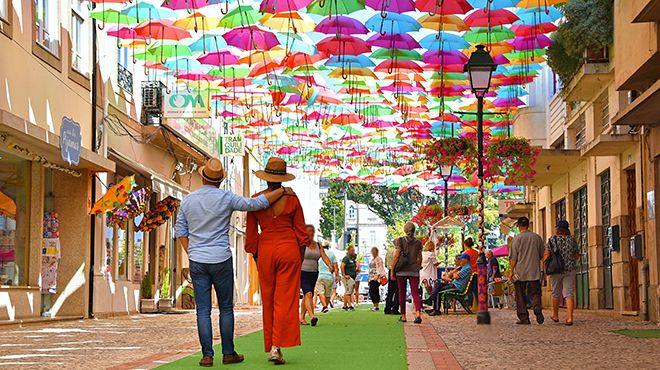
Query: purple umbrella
396,6
190,4
504,102
445,57
392,41
500,59
341,25
219,58
251,38
531,42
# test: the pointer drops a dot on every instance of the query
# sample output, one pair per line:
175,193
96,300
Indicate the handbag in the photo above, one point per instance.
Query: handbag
554,264
403,256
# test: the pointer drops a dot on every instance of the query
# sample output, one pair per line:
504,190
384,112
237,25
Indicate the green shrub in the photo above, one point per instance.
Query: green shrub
145,288
165,288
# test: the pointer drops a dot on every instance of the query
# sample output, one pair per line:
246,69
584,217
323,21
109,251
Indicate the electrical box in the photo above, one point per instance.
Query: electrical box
614,238
636,246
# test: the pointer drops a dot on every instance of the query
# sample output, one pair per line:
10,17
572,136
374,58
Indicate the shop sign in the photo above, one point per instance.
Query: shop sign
231,145
70,141
504,204
185,105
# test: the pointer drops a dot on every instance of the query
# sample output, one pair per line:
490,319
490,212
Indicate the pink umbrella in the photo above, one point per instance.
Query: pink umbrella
443,7
396,6
251,38
161,30
341,25
445,57
189,4
379,124
124,33
501,251
491,18
218,58
503,102
530,42
287,150
397,41
277,6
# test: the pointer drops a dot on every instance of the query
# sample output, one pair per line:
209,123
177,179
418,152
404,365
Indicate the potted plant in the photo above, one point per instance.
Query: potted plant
513,158
165,300
147,302
449,151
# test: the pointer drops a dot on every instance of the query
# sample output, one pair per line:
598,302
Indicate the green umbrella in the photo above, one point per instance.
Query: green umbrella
243,15
399,54
376,110
453,76
169,51
525,54
114,16
229,72
350,130
147,57
484,34
334,7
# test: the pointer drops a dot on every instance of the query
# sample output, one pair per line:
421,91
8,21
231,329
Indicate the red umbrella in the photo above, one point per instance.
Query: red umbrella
443,7
251,38
498,17
124,33
402,65
533,29
301,59
162,30
218,58
344,45
277,6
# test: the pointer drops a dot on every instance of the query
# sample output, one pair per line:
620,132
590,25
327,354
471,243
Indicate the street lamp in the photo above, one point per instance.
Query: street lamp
445,173
480,68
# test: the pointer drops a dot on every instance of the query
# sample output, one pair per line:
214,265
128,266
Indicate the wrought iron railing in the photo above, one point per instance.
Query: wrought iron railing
124,78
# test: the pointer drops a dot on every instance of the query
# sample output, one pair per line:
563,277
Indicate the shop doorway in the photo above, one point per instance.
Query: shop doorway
606,216
631,182
580,224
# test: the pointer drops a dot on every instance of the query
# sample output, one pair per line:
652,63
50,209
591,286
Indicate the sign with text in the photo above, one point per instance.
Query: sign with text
70,141
231,145
505,204
185,105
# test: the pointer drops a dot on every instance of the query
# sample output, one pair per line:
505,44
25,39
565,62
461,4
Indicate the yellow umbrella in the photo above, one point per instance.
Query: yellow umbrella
263,56
496,48
115,197
289,21
197,21
355,72
539,3
448,22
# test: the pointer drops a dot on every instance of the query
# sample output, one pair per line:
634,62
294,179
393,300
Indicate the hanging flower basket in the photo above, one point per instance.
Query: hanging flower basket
428,215
449,151
460,210
512,158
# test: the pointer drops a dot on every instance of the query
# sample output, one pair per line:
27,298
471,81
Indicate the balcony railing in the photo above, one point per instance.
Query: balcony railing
580,137
124,78
557,116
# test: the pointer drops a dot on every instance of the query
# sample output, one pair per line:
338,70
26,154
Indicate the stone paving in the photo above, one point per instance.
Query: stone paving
588,344
138,341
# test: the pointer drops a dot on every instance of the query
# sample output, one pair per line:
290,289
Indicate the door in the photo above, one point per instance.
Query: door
560,210
606,216
580,226
633,290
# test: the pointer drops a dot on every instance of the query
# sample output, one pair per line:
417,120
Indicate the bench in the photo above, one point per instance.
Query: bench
458,296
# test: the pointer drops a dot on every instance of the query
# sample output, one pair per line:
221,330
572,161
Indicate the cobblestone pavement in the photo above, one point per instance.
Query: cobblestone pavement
121,342
588,344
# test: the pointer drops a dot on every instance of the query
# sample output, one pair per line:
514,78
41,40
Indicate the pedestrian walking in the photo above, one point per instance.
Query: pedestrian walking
429,273
328,278
202,229
563,282
407,263
392,297
376,273
526,253
279,251
349,273
309,275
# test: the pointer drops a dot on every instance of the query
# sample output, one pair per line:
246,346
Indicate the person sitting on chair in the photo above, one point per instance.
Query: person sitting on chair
446,284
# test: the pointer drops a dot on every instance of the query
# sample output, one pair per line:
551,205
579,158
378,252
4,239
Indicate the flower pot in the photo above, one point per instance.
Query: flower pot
165,304
148,306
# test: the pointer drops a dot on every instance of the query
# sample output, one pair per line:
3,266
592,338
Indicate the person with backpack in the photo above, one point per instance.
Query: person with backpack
407,263
560,259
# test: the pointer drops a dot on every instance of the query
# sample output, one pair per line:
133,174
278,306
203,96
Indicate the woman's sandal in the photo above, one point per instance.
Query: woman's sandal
568,323
402,320
555,319
304,322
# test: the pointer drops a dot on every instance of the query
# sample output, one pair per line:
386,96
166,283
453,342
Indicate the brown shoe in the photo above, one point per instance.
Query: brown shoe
233,358
206,361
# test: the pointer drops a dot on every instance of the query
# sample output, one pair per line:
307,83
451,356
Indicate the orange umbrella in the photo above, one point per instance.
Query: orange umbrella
115,197
7,205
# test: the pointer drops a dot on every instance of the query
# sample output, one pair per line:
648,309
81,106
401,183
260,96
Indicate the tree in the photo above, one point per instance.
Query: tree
386,202
332,215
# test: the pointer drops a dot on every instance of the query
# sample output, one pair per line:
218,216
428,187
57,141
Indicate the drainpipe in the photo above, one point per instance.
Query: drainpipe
92,228
645,265
645,288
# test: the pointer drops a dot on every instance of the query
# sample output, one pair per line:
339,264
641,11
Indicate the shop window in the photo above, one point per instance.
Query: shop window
109,250
4,10
14,222
78,37
138,250
47,25
122,253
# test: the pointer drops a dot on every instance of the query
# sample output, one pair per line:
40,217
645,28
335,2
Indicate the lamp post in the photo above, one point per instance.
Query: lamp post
445,173
480,68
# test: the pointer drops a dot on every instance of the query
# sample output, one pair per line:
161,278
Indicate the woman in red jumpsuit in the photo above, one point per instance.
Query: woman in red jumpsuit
278,251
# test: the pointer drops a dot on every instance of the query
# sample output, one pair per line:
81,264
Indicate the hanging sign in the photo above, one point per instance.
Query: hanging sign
70,141
231,145
185,105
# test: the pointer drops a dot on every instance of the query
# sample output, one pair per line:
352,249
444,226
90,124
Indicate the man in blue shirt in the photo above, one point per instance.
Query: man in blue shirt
454,281
202,228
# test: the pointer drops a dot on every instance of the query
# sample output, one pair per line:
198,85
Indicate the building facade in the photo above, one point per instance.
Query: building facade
598,167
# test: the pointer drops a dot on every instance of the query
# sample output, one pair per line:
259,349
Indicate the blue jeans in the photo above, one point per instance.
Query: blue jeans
221,277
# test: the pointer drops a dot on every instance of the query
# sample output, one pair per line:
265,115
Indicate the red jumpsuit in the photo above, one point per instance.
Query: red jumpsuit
279,262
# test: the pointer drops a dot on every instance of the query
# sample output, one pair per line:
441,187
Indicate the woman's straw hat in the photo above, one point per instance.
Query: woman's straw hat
275,171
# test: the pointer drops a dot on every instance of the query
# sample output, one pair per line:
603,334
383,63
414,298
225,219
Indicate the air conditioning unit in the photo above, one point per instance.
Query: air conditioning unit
152,103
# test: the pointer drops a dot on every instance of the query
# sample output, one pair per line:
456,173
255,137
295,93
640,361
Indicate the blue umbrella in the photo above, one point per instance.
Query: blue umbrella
208,42
358,61
496,4
392,23
538,15
444,41
145,10
190,64
297,43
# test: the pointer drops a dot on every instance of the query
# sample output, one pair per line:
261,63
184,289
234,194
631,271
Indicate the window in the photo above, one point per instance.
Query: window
78,37
351,212
109,250
47,25
14,223
138,249
4,10
372,238
122,245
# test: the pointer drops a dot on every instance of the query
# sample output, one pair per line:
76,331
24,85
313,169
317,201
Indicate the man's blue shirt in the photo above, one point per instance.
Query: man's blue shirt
204,218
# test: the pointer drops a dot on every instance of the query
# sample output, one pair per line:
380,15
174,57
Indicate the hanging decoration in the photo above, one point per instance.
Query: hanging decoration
513,158
37,157
137,203
160,213
428,215
115,197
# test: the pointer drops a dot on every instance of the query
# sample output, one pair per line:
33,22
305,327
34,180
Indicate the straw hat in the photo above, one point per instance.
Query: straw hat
275,171
212,171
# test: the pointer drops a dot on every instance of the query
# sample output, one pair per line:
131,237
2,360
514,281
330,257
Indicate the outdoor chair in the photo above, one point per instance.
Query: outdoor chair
457,296
496,289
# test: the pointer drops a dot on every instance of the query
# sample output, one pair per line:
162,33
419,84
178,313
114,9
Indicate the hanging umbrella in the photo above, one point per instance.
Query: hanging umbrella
334,7
341,25
538,15
493,4
395,6
444,41
113,16
241,16
208,42
443,7
218,58
539,3
439,22
343,45
159,214
161,30
396,54
441,57
189,4
521,29
394,41
115,197
492,18
360,61
289,22
401,65
197,21
251,38
531,42
146,11
392,23
485,35
278,6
